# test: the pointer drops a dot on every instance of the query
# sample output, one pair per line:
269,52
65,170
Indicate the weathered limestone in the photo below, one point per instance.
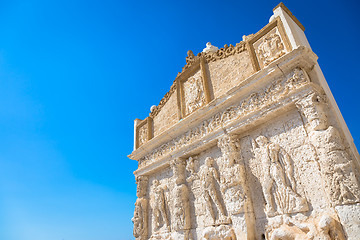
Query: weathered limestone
248,144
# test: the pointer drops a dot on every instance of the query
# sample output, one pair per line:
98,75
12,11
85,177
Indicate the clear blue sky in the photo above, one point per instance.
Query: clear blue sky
75,74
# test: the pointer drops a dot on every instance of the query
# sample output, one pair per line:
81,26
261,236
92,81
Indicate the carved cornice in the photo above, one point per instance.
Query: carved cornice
222,53
191,59
268,95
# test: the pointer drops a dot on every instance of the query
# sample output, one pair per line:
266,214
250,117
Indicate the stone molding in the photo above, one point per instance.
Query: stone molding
202,59
302,57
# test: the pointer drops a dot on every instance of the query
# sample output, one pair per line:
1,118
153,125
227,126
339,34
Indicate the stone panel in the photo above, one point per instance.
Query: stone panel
229,72
167,116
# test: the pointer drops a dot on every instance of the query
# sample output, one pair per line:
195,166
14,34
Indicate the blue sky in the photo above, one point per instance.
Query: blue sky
75,74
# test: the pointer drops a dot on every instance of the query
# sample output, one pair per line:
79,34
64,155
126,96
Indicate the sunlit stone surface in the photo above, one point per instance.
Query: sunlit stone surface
248,144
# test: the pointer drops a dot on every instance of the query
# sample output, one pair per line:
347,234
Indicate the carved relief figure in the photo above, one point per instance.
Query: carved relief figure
222,232
140,218
324,227
232,182
143,135
209,177
160,216
190,167
181,202
270,49
279,185
335,163
194,94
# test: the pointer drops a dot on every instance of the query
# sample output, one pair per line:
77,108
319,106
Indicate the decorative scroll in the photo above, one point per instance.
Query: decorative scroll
222,53
257,100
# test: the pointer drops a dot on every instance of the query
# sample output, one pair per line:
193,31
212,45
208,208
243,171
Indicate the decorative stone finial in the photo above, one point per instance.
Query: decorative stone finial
152,108
210,48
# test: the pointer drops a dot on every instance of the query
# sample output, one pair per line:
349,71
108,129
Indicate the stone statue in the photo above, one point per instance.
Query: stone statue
278,183
336,165
160,216
140,218
209,177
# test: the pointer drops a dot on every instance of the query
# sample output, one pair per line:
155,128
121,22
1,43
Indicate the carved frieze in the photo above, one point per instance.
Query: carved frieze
276,90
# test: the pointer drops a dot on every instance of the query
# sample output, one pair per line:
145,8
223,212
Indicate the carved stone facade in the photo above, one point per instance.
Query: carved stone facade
261,151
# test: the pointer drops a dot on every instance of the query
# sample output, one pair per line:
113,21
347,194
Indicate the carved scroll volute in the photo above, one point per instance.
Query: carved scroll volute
336,165
181,219
140,218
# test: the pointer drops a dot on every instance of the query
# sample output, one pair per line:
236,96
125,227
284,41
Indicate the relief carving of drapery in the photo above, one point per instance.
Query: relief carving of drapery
279,186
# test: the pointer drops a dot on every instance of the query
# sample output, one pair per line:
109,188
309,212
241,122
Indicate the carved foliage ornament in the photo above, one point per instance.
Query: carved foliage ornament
222,53
255,101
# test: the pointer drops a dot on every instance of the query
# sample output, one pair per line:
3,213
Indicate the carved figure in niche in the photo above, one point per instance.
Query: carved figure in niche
232,178
279,185
222,232
160,216
181,203
335,163
194,95
190,167
270,49
140,218
210,177
323,228
143,135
